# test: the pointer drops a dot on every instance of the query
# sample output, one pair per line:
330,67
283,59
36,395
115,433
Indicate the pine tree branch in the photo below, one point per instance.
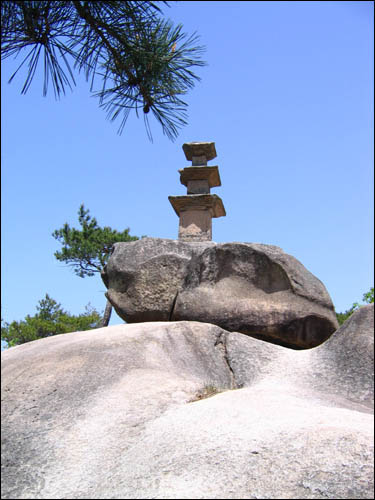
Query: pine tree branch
124,43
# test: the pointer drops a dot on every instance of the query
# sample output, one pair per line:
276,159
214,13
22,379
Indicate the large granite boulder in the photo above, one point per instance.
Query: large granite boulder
120,412
246,287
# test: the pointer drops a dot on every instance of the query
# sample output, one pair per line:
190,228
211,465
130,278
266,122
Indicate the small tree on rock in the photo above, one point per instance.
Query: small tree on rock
87,249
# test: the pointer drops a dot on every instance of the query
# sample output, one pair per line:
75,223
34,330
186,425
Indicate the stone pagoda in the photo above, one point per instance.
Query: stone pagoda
198,206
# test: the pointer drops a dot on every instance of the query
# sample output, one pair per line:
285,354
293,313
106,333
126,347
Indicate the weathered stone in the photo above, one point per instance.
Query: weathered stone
74,404
246,287
191,202
338,372
115,413
198,187
195,212
210,174
195,225
144,276
199,152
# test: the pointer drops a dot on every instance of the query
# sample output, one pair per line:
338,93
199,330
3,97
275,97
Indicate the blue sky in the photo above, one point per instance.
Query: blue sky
287,97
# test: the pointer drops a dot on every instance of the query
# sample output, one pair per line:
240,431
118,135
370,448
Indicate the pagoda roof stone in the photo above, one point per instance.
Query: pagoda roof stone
196,149
209,173
198,202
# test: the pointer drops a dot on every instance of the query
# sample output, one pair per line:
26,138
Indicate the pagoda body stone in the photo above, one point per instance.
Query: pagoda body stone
196,209
196,212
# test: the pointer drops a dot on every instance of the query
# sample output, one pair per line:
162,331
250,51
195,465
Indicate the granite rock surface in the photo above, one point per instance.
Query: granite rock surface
251,288
124,412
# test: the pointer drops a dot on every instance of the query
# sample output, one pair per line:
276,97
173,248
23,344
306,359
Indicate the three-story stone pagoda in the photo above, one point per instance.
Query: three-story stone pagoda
197,208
